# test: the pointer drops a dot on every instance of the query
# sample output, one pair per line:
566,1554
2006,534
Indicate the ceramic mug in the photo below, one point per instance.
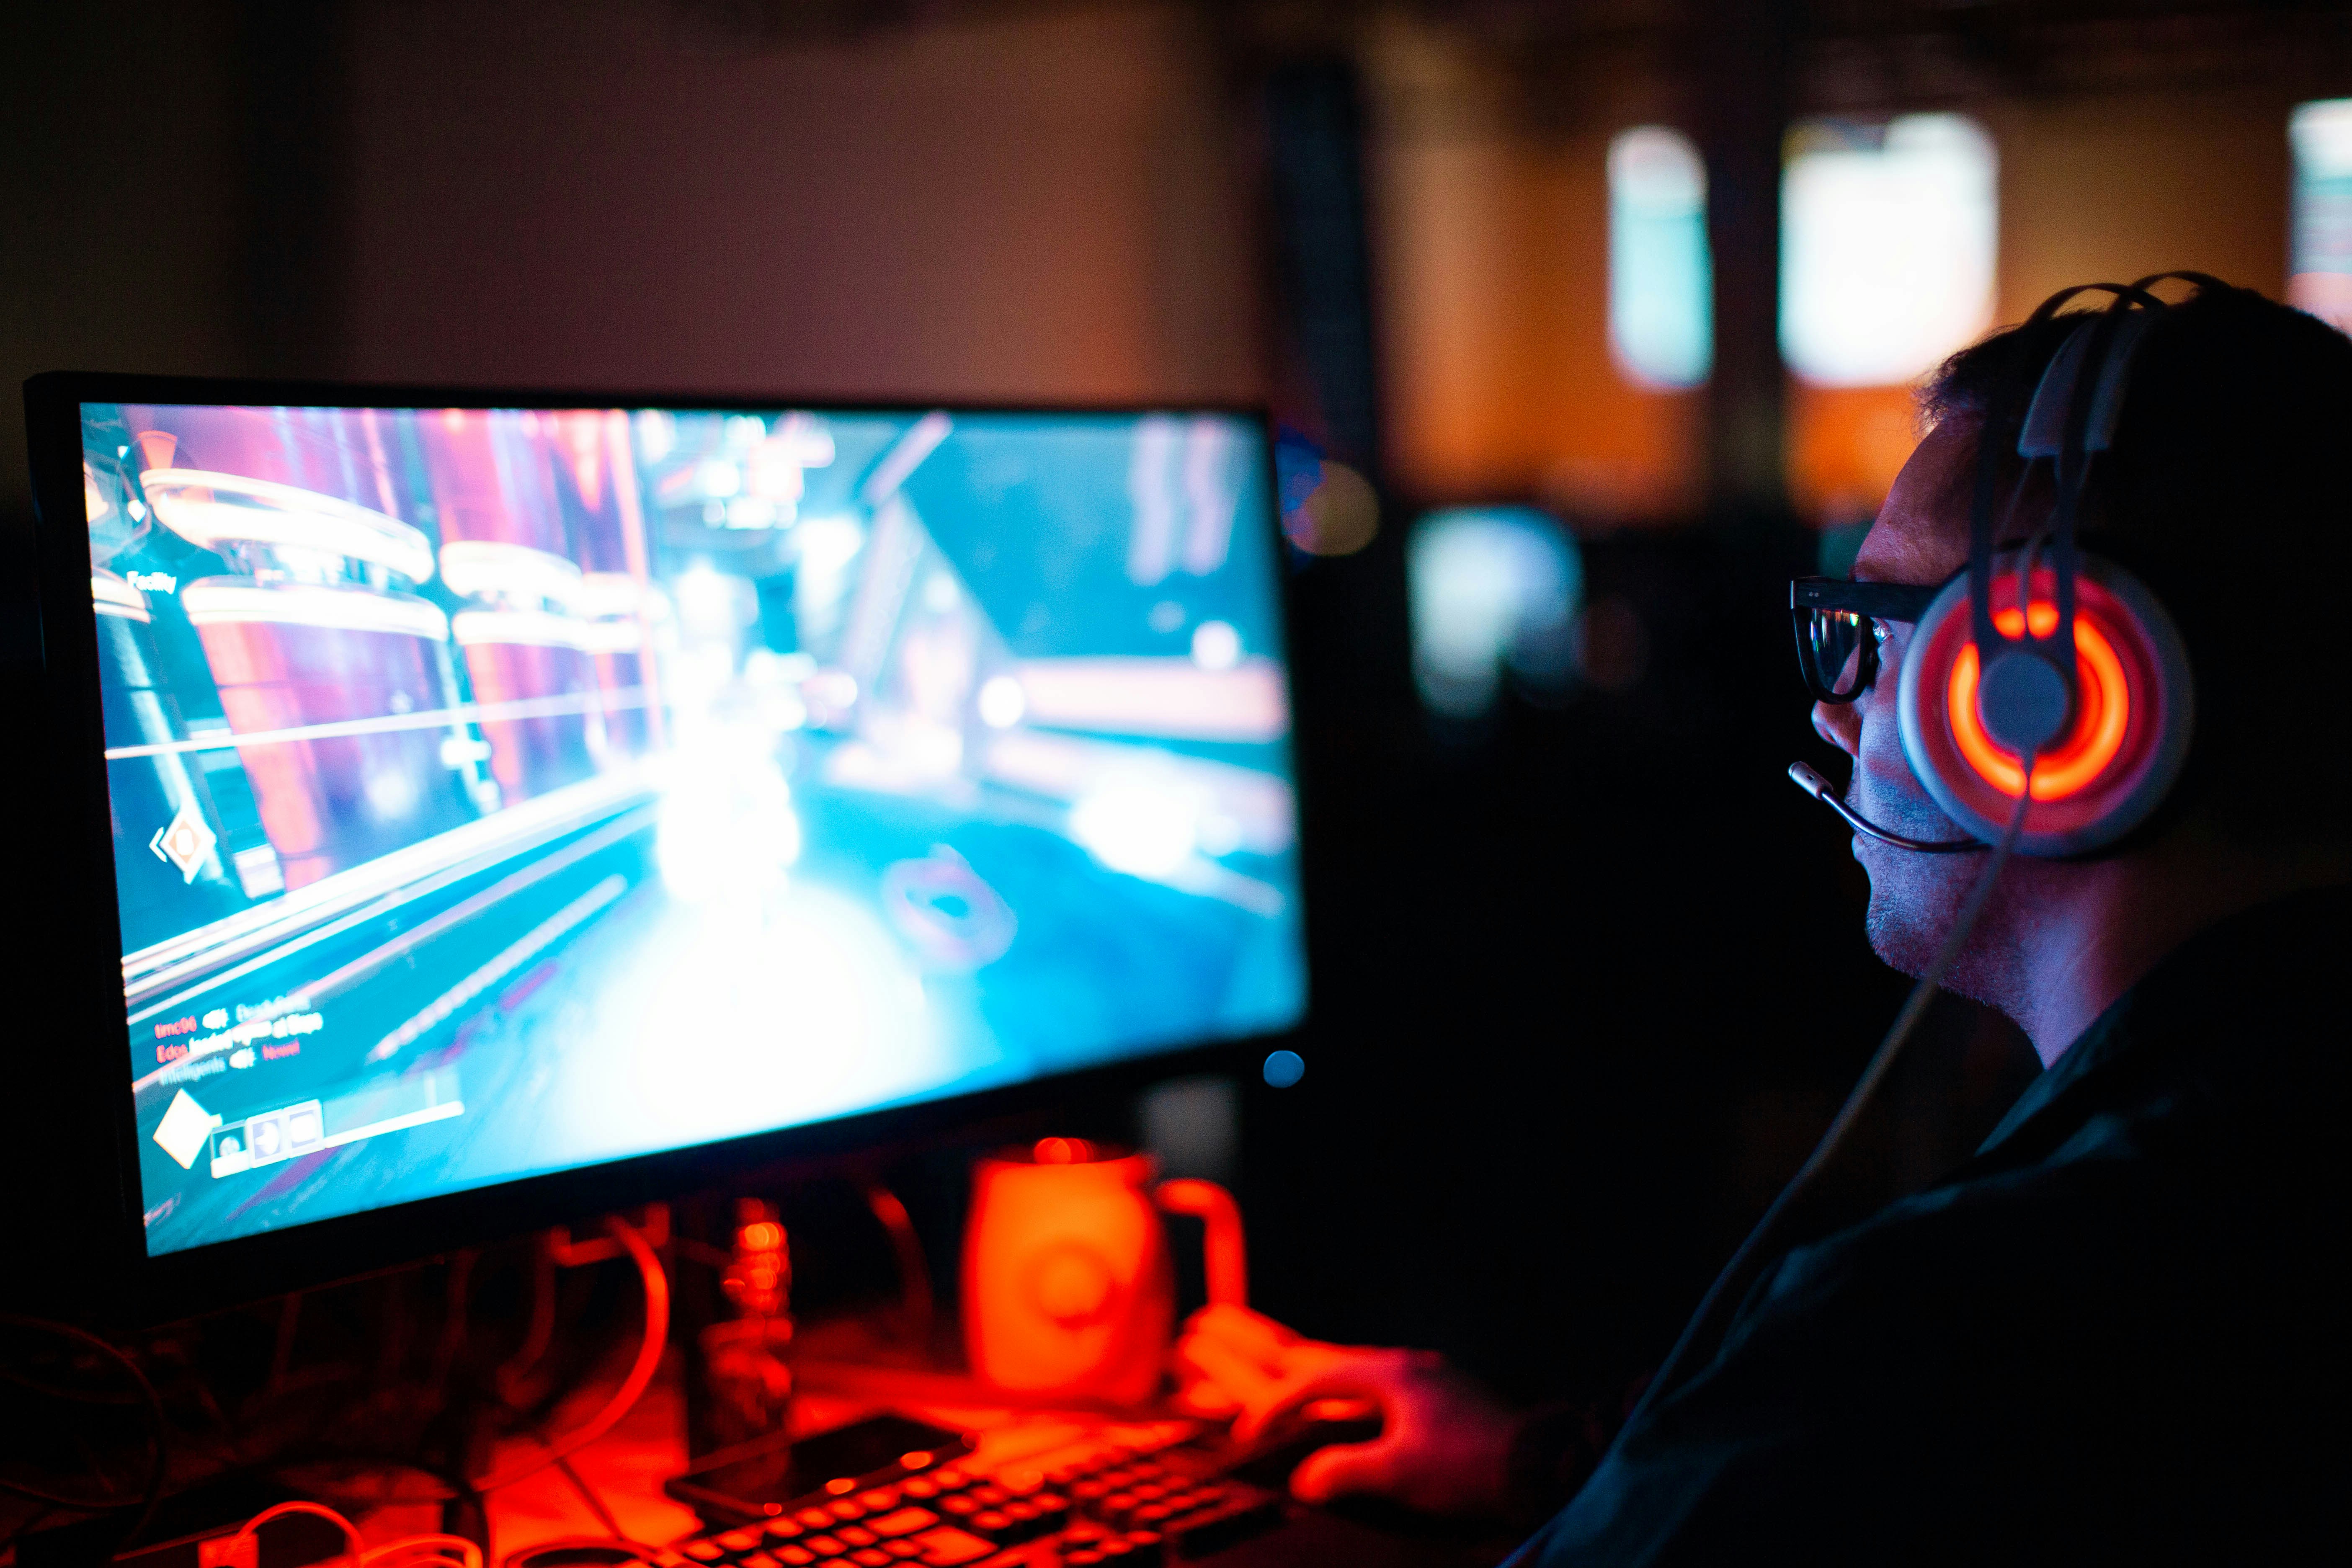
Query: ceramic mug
1067,1289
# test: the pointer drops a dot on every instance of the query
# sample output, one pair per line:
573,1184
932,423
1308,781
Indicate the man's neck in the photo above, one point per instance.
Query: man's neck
2085,932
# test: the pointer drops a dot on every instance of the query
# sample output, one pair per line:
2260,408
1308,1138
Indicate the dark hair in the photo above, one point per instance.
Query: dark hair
2229,491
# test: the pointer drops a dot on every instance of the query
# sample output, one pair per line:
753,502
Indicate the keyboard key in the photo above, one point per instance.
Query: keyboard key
857,1535
960,1505
991,1496
795,1557
845,1511
1084,1557
704,1551
906,1522
989,1521
903,1548
825,1545
952,1477
881,1500
946,1546
738,1541
922,1487
814,1517
872,1557
786,1528
758,1560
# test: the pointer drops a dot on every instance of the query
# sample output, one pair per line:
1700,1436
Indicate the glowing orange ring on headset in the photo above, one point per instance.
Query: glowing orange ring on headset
2103,712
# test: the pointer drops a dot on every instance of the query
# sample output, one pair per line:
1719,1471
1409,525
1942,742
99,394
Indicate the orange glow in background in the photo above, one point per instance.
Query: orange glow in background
2102,711
1845,445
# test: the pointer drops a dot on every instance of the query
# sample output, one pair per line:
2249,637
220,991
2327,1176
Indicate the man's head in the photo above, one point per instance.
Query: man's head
2224,492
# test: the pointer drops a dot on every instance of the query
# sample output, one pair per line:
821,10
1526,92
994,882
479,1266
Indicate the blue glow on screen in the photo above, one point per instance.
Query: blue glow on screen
498,791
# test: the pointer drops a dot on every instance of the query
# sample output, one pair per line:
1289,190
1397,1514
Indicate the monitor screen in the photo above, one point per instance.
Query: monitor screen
500,790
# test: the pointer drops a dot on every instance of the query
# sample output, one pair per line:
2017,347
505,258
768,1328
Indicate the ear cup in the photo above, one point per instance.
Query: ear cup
2126,733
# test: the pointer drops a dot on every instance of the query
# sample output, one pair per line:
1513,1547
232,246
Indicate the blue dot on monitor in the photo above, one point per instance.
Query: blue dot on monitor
1283,1068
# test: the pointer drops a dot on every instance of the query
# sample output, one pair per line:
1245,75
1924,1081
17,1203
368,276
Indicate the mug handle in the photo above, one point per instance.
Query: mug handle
1225,1259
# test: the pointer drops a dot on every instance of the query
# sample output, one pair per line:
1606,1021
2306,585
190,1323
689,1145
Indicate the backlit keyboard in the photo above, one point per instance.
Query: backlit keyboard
1118,1506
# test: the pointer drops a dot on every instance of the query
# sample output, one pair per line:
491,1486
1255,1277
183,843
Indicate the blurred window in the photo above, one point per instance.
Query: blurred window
1661,276
1887,241
1494,589
2322,278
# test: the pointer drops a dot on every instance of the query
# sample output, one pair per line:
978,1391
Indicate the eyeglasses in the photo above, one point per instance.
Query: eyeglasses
1837,630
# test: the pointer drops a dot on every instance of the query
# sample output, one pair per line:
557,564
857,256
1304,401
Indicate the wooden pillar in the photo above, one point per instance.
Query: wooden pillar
1741,56
1315,171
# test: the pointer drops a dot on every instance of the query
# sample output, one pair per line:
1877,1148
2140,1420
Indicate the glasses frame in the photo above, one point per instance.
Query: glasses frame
1903,602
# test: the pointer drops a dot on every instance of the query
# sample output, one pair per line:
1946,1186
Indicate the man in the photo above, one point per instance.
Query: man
2115,1333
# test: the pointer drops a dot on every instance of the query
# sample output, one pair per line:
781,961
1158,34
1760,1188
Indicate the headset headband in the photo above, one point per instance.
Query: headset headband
2067,420
2068,417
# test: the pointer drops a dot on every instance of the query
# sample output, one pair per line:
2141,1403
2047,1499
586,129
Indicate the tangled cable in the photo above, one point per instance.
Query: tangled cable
408,1551
152,1493
413,1552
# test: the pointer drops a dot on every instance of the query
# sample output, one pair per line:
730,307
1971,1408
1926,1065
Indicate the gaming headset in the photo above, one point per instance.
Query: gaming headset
2044,702
2045,667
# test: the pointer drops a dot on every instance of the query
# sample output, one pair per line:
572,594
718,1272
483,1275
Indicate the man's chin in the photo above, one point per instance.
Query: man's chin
1897,938
1908,928
1913,899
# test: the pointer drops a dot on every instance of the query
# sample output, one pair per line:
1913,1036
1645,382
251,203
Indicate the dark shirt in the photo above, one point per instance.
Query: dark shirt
2115,1335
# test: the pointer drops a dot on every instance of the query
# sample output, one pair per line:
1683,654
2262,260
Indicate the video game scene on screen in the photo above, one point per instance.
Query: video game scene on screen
499,790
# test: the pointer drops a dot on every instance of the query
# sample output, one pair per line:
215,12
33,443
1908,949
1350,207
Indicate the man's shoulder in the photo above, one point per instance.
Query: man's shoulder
2166,1226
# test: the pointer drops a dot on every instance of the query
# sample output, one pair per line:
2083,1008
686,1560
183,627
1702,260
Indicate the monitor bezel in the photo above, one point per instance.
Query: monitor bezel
97,1262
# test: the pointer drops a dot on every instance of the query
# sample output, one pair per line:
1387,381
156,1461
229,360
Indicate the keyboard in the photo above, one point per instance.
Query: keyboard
1117,1504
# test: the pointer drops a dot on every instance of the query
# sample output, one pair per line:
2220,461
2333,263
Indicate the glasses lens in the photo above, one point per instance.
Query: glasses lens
1836,644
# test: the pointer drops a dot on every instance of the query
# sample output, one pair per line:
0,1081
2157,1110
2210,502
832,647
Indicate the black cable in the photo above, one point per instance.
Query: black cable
25,1528
915,1299
538,1335
1755,1250
590,1496
158,1435
281,1350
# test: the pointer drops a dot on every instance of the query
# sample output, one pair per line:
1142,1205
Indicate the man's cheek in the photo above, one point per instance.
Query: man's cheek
1882,771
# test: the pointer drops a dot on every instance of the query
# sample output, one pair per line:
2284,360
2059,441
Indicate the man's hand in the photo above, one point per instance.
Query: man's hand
1444,1443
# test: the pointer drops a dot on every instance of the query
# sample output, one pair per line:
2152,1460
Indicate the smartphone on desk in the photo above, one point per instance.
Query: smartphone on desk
752,1481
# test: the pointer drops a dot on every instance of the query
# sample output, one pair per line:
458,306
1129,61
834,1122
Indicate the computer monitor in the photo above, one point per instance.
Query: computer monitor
506,803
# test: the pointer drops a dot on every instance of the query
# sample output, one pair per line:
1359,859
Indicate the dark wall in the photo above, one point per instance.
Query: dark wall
1589,977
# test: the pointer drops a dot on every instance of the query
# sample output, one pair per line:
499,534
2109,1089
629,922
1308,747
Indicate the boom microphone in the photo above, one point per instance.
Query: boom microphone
1810,780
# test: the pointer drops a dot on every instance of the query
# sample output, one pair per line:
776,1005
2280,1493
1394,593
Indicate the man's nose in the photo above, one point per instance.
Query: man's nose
1840,723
